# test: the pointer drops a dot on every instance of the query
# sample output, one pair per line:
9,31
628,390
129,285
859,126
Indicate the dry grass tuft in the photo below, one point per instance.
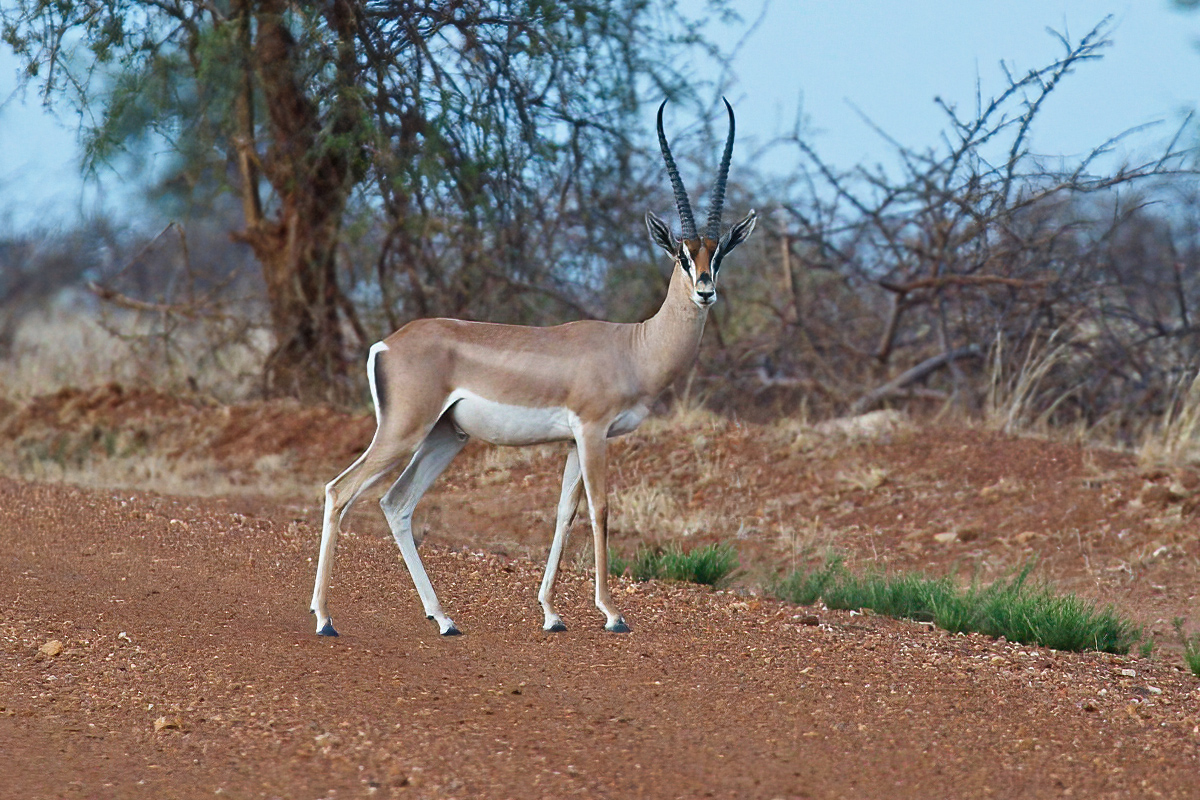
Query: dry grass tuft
864,478
1017,403
110,436
871,426
59,348
1176,440
168,474
506,459
79,348
684,417
654,514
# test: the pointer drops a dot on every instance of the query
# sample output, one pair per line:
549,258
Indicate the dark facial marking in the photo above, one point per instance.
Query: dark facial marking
685,261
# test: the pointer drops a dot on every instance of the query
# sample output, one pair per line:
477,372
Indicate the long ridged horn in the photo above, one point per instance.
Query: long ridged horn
681,199
713,226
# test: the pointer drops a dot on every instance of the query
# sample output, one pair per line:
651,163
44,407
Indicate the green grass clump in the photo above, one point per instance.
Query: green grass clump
1191,647
1016,609
805,587
710,565
1034,614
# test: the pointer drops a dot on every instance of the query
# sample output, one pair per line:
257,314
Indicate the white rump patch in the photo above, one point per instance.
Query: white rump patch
376,349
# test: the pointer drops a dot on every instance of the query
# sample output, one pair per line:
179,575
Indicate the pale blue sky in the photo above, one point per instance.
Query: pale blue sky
887,58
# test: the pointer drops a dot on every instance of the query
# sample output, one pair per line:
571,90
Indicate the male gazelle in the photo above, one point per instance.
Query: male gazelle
438,382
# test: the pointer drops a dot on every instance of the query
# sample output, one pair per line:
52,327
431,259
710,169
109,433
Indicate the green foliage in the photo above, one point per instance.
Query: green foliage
805,587
1191,647
75,450
1015,609
710,565
1146,648
489,139
490,146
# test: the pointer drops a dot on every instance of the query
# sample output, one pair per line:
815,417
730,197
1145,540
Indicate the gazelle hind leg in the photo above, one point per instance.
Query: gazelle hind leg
432,457
568,503
593,460
340,494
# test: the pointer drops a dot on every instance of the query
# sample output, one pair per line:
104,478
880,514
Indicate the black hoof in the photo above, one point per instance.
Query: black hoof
452,631
327,629
618,627
557,627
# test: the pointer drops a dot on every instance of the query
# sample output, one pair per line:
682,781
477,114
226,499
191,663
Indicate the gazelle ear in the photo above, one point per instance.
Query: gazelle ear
660,234
739,233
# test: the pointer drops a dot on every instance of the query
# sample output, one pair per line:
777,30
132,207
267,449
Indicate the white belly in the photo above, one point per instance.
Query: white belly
499,423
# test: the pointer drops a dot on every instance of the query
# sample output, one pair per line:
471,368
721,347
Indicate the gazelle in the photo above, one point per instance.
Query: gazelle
437,382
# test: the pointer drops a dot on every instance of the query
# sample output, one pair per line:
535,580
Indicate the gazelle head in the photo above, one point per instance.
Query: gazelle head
699,257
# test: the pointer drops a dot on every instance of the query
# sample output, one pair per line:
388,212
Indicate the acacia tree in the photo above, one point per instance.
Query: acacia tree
978,272
458,126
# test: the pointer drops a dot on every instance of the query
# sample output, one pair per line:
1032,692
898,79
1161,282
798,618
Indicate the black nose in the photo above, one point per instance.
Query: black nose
706,296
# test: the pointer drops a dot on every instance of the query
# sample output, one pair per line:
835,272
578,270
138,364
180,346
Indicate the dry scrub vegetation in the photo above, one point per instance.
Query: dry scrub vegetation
950,390
973,499
979,358
782,461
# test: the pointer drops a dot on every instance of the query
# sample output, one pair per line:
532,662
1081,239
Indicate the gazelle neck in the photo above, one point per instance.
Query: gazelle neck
670,339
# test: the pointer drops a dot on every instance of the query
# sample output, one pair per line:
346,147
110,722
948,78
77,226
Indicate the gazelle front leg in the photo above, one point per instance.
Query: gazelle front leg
593,458
568,504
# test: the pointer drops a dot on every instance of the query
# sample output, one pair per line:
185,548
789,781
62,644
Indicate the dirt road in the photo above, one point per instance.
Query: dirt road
188,668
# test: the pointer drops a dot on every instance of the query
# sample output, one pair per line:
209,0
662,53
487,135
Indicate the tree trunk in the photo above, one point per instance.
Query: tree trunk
310,171
297,256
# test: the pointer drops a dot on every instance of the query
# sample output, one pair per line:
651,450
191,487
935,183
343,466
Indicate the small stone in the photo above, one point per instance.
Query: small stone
1129,673
1154,690
969,533
167,723
1157,496
950,537
51,648
810,619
